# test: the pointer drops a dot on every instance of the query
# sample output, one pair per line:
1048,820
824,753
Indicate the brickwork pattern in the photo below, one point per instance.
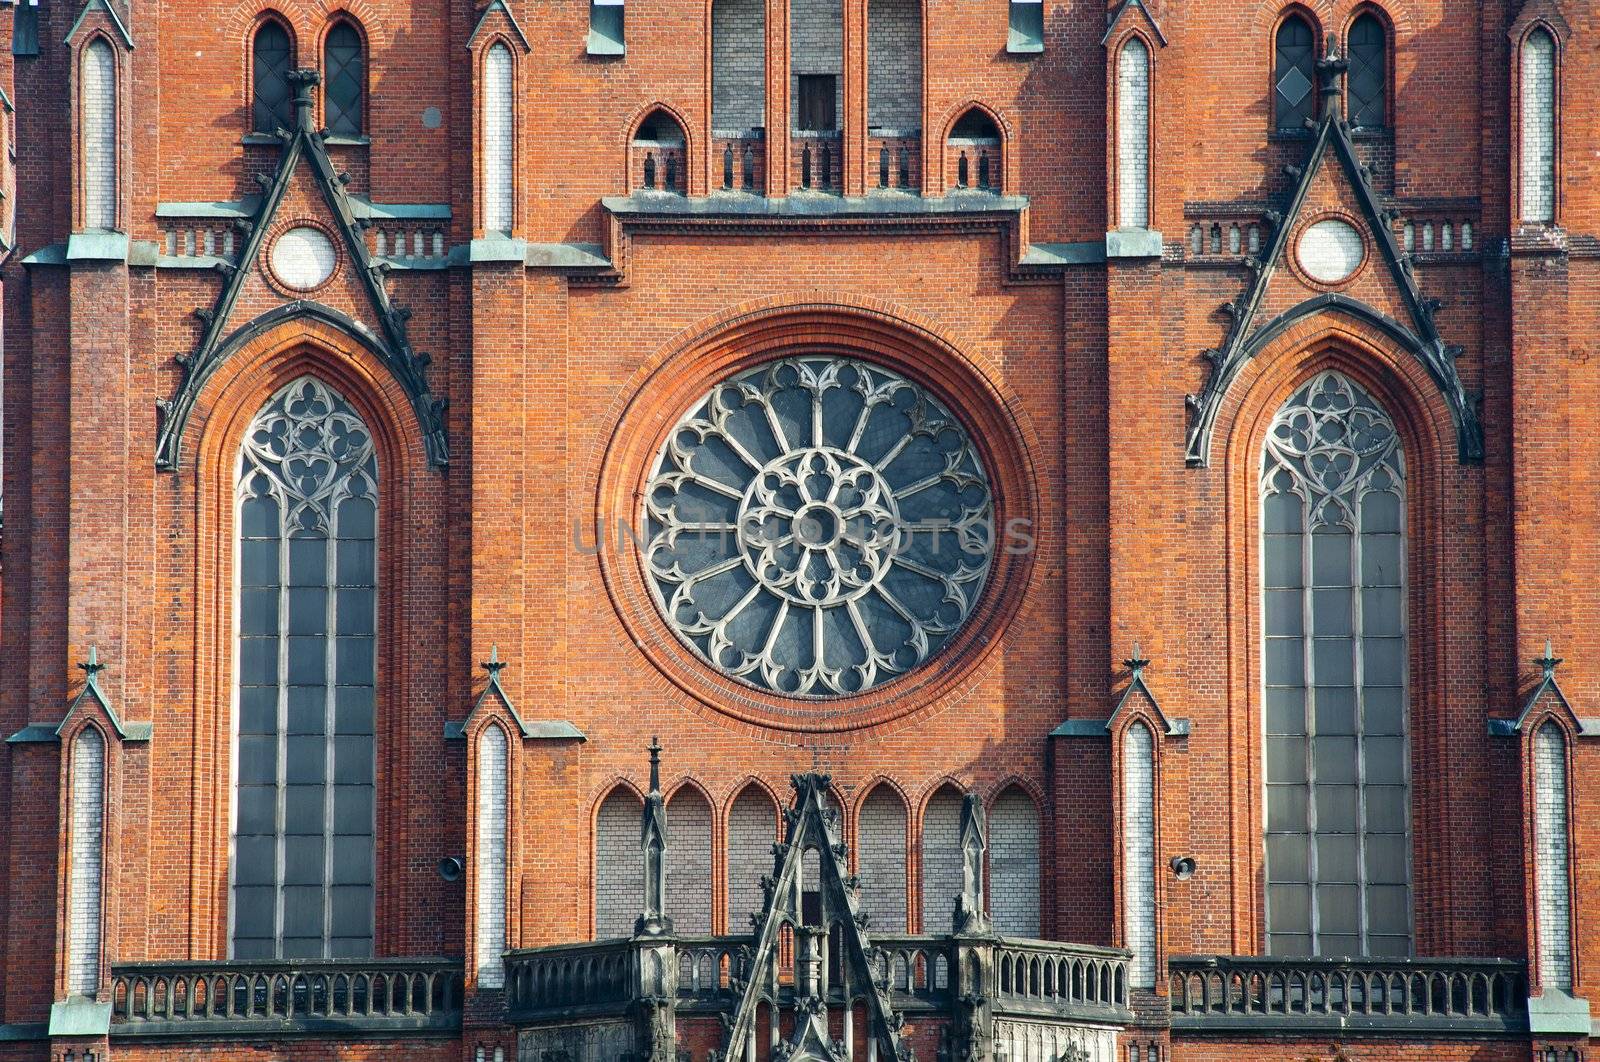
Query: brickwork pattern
738,65
894,65
752,828
1014,864
689,862
618,866
491,858
1552,863
941,860
1538,96
499,140
85,891
1139,854
1133,135
881,855
99,136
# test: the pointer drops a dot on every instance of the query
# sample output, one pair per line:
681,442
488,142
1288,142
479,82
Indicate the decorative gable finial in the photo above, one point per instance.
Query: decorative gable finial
653,920
494,665
1137,663
92,666
1548,662
1330,72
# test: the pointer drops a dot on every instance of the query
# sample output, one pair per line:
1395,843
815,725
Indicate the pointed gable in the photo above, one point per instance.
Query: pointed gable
323,270
813,826
1332,250
497,19
1544,699
495,701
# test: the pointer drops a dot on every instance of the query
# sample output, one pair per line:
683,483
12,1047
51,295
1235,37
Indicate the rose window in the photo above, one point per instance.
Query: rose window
817,526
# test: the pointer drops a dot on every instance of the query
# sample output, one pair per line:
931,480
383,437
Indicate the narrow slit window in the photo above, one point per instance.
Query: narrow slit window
1139,854
499,153
1552,868
99,136
1133,135
272,102
1538,147
491,852
85,895
1369,73
1294,85
345,71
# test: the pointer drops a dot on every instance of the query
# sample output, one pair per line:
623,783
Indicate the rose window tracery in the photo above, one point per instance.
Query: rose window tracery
817,526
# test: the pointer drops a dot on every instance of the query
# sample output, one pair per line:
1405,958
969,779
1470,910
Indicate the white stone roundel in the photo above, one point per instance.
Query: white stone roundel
1331,250
817,526
303,258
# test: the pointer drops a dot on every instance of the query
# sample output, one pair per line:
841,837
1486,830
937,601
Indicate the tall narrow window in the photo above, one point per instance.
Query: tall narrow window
1293,77
816,62
1369,73
272,103
618,865
738,66
345,72
1139,853
1551,866
491,857
87,869
307,620
689,862
499,153
941,861
881,854
894,67
1538,127
1334,617
99,131
1014,864
1133,135
752,827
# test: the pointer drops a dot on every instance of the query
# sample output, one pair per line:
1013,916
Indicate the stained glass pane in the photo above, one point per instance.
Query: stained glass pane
304,754
1338,797
1294,82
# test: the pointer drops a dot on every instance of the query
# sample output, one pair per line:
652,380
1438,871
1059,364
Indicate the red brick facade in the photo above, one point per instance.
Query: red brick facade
566,350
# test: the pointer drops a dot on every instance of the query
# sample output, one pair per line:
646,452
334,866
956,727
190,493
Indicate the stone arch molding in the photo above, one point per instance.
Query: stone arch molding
221,338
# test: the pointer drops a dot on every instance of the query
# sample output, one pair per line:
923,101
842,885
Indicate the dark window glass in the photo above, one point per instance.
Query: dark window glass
817,102
1337,778
273,103
303,835
1294,85
345,71
1369,71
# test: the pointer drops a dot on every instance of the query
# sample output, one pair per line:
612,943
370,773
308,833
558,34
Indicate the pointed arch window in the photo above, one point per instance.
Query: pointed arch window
1369,73
618,865
1014,864
272,57
752,827
1552,869
1294,85
307,619
99,135
1139,853
1333,484
941,860
689,861
86,872
345,72
881,855
493,779
1538,127
499,153
1133,135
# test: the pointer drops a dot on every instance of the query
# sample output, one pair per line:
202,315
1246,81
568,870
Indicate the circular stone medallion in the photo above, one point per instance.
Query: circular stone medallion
1331,250
817,526
303,258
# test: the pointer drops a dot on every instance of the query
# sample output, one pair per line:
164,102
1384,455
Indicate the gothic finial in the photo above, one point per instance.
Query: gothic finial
1329,70
1138,662
92,666
303,81
1548,662
494,665
655,766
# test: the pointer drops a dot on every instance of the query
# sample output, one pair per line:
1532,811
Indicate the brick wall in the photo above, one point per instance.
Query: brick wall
618,866
881,860
738,65
1014,864
816,46
941,860
689,862
752,826
894,64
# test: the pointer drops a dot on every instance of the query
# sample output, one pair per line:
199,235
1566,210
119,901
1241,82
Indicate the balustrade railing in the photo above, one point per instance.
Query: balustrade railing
249,998
894,160
596,977
818,161
1038,976
739,161
1314,994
